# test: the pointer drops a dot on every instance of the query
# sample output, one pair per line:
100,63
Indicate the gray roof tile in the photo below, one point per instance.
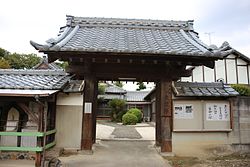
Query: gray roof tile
127,36
112,96
113,89
203,89
136,96
33,79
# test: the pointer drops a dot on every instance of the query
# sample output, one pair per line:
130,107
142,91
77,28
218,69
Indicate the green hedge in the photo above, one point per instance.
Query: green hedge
243,90
137,113
129,119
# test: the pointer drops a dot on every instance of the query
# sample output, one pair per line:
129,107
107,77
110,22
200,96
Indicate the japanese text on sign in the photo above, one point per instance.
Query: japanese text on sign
183,111
217,112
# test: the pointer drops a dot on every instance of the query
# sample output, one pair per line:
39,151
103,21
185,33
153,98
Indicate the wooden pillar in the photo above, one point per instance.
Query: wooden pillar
40,125
166,115
52,110
88,107
94,111
158,114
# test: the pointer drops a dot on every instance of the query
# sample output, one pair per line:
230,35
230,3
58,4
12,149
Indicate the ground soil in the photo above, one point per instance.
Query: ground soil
232,160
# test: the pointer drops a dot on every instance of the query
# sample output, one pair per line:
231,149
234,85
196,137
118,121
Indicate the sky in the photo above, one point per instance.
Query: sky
222,20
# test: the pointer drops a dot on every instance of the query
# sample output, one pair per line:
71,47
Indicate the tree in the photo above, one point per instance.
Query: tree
21,61
3,52
4,64
141,86
101,88
119,84
63,64
117,109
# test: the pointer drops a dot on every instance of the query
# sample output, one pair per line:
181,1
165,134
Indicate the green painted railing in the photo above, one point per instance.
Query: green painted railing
35,134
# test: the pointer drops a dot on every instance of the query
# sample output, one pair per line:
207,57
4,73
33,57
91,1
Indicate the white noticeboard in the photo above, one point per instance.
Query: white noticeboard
217,112
88,108
183,111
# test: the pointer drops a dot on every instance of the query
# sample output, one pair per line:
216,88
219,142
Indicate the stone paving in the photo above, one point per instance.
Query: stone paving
110,153
126,132
107,130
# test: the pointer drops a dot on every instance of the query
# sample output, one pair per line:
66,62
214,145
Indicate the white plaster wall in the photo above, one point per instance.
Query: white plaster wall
220,70
209,74
69,120
75,99
69,126
196,141
189,124
198,144
231,72
241,62
242,75
197,74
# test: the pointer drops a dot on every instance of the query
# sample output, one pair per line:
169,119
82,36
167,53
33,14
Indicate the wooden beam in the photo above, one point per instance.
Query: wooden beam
150,72
186,59
28,112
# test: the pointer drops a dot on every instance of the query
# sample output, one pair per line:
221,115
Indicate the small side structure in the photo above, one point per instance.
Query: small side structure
28,109
207,117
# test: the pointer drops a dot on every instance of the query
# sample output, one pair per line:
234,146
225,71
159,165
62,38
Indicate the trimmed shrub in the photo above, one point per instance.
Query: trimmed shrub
129,119
137,113
242,89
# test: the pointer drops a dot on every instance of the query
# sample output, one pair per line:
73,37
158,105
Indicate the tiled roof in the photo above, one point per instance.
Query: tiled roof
114,89
112,96
136,95
225,47
33,79
203,89
128,36
45,65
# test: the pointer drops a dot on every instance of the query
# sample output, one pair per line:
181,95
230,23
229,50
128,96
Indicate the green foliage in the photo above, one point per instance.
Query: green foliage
101,88
21,61
137,113
4,64
119,84
129,119
120,115
117,106
3,52
18,61
141,86
63,64
243,90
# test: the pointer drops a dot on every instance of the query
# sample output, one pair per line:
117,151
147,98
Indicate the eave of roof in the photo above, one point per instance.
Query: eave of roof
26,93
225,47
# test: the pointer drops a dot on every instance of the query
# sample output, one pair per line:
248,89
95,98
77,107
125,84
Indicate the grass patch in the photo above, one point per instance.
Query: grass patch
178,161
231,157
